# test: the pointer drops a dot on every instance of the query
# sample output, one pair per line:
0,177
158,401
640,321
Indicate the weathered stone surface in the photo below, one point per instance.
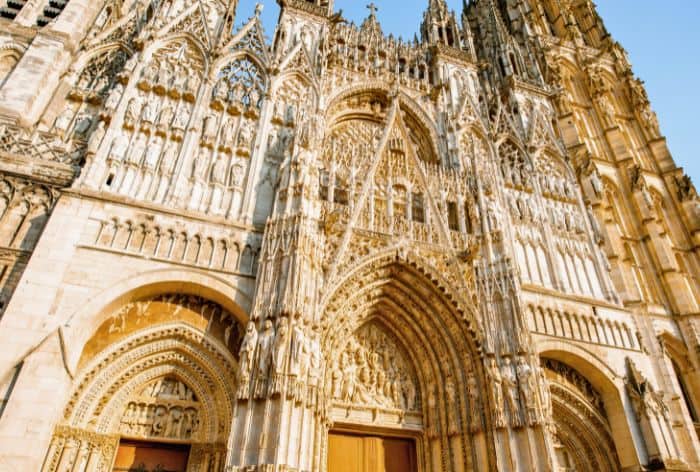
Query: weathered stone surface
478,241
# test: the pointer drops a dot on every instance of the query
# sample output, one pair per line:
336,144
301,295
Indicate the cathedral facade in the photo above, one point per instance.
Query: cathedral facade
337,250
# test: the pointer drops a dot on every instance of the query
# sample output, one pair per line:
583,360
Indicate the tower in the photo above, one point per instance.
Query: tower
339,249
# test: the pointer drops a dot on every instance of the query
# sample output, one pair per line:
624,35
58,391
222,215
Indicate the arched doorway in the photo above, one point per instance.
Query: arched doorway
581,431
155,391
399,355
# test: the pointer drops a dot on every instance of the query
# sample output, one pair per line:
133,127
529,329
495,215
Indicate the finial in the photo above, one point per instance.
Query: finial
258,9
372,8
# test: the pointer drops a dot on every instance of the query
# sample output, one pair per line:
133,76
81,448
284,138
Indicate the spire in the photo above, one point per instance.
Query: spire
440,25
371,24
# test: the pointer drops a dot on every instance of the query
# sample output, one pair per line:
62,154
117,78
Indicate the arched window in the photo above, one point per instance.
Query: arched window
99,74
417,208
240,81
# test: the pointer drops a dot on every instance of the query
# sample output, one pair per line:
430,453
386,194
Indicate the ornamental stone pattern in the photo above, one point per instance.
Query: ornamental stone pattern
476,239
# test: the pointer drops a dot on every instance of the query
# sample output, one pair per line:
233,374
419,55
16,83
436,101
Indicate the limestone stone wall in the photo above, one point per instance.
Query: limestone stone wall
476,242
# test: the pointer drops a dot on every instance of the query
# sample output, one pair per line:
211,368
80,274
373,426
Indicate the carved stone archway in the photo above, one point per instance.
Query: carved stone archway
581,430
160,369
400,359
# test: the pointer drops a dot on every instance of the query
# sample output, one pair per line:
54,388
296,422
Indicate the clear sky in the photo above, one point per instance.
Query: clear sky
662,39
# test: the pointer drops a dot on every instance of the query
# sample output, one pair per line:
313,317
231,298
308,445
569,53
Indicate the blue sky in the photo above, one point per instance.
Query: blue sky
661,37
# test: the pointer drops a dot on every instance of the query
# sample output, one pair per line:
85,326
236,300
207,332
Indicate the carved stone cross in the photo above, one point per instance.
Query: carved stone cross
372,8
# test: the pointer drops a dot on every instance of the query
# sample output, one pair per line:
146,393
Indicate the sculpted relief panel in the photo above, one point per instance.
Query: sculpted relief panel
164,408
374,372
208,316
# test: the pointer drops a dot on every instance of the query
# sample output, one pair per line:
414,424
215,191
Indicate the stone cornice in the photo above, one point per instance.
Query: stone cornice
51,173
129,202
515,83
17,31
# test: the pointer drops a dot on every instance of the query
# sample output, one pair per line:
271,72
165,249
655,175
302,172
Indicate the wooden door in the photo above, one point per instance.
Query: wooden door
151,457
357,453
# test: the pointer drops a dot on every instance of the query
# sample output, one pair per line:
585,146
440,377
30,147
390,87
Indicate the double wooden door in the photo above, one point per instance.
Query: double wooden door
151,457
358,453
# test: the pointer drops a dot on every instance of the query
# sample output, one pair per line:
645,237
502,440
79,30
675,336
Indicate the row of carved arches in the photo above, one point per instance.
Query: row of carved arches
180,247
583,327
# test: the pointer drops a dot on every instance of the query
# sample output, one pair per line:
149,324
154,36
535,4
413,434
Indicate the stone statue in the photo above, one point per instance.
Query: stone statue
113,98
165,118
473,396
133,111
280,350
138,149
453,423
218,170
528,391
150,111
510,390
181,119
209,129
96,138
119,146
246,358
167,165
153,154
264,356
496,398
245,135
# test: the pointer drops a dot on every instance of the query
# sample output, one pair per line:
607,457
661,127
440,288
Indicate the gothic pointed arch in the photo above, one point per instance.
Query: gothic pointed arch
384,308
361,100
250,37
98,70
582,431
240,77
587,405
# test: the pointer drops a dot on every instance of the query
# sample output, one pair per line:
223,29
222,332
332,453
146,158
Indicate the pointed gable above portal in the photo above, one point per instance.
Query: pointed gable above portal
298,59
250,38
192,21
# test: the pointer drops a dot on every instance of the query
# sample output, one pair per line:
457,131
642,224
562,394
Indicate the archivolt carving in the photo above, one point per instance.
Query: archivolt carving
415,272
580,420
410,306
170,382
